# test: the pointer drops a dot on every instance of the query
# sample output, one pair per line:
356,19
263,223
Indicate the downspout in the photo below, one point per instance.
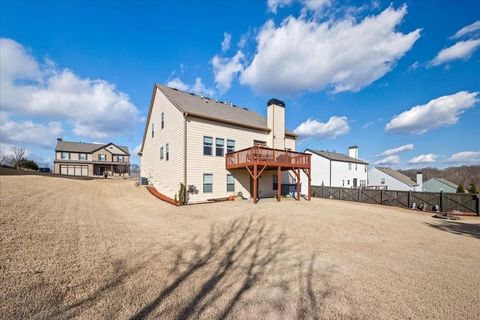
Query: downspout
185,150
330,173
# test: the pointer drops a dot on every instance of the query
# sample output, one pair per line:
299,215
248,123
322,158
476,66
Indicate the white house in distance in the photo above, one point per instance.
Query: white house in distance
338,170
387,178
217,149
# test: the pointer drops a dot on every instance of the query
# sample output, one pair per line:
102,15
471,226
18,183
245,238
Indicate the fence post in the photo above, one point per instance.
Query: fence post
321,193
409,199
441,200
359,193
478,204
381,196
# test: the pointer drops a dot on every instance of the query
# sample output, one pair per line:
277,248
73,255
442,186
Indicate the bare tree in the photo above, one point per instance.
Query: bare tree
18,154
5,160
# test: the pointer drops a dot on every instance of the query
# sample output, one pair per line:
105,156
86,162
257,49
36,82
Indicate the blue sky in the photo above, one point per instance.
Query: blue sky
400,79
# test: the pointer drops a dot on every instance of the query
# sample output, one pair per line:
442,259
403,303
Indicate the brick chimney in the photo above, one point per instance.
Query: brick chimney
276,123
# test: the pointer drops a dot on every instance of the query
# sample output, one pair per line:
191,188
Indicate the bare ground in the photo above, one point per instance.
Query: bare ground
107,249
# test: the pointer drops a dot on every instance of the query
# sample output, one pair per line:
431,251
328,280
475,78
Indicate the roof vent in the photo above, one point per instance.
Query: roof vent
245,109
59,139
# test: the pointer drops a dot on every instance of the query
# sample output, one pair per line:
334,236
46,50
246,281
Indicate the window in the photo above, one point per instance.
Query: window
382,181
207,146
350,166
348,182
363,183
230,183
82,156
230,146
65,155
207,182
355,167
120,158
219,142
365,166
167,152
153,130
259,143
101,157
275,182
161,153
162,123
343,183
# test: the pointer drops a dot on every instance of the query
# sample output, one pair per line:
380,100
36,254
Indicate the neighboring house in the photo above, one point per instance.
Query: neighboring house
387,178
338,170
90,159
438,184
216,149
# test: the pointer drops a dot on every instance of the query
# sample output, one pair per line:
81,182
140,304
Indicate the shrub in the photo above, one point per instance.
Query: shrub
472,188
460,189
27,164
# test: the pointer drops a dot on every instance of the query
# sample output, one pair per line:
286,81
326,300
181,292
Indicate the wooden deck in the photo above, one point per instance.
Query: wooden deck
256,159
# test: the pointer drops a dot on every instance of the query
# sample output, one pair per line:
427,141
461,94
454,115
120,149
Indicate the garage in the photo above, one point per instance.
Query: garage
74,170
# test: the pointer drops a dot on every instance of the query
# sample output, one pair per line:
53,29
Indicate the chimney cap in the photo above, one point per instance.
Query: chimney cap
59,139
353,147
419,172
276,102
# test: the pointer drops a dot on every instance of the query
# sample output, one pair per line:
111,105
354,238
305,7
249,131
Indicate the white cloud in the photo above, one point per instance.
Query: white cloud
316,5
460,50
29,133
423,158
471,28
227,37
273,5
390,160
390,152
178,84
467,157
94,107
342,55
333,128
137,149
198,87
225,69
371,123
439,112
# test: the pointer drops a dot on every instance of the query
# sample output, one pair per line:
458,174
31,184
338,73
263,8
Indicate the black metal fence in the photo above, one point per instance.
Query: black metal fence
445,202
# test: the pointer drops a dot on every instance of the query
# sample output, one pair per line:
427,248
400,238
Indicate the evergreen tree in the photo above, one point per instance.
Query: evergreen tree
472,188
460,189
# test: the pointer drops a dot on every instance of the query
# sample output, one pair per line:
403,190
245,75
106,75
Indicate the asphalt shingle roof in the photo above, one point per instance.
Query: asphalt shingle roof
216,110
72,146
399,176
448,183
336,156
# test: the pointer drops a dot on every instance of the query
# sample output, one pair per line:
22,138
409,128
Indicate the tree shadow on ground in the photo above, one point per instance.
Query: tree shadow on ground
460,228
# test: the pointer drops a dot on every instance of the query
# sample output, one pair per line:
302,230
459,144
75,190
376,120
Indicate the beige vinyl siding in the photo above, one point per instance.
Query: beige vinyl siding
198,164
290,143
115,150
167,174
108,155
276,122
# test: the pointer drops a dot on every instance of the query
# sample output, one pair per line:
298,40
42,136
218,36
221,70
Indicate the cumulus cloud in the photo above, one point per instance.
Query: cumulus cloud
423,158
388,161
341,55
334,127
29,132
227,37
460,50
94,107
274,5
197,87
467,157
177,83
467,30
316,5
225,69
439,112
390,152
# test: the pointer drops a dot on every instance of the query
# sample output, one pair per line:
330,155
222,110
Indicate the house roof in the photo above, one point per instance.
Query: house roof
204,107
335,156
398,176
446,182
72,146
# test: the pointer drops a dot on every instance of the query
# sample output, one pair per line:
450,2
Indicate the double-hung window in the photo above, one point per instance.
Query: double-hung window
162,123
350,166
161,153
153,130
219,142
355,167
120,158
65,155
230,145
207,182
382,181
207,146
167,152
82,156
230,183
101,157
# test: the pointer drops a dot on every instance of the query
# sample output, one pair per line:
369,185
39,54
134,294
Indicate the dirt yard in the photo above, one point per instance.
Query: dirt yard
106,249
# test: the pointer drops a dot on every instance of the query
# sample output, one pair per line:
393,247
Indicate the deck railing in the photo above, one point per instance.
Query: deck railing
258,155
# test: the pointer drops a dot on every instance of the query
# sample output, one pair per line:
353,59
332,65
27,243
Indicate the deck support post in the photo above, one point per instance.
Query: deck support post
298,184
279,183
255,187
309,185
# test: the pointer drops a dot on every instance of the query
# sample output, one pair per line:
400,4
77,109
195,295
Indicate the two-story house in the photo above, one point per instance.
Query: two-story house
335,169
90,159
217,149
